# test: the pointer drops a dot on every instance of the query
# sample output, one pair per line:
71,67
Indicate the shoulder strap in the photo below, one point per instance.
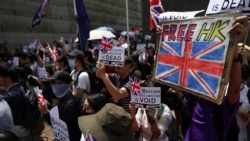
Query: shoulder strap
76,82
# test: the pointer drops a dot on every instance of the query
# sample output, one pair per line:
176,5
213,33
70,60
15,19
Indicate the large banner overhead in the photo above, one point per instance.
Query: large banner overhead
225,6
195,55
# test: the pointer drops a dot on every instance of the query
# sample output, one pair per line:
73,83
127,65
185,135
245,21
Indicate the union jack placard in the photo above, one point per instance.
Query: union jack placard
193,56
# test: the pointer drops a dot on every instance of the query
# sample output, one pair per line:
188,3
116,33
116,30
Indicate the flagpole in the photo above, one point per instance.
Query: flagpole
127,22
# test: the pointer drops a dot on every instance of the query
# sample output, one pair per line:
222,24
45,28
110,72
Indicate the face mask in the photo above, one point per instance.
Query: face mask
71,63
60,90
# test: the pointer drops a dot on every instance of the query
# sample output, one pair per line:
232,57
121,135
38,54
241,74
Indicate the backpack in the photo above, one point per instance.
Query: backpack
33,119
92,80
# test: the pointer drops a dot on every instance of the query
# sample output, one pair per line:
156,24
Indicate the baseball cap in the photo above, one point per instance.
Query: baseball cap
75,52
62,76
111,123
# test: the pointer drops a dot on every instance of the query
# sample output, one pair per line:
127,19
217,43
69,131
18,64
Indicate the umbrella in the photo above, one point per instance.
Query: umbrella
98,34
130,34
105,28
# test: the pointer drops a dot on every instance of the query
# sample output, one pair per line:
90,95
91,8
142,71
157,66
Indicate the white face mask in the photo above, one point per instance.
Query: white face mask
60,90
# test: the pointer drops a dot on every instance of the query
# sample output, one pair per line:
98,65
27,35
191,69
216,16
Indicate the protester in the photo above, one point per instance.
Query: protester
242,114
6,119
208,126
117,83
15,97
63,64
93,103
68,106
111,123
81,83
153,123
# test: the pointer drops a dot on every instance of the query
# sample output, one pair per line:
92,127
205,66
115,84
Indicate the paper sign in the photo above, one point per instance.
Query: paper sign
147,96
42,74
113,57
224,6
15,61
60,128
168,16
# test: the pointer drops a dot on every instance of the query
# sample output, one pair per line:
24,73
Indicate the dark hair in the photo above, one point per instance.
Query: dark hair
9,72
31,57
244,71
97,101
22,54
64,60
8,136
49,69
23,72
80,58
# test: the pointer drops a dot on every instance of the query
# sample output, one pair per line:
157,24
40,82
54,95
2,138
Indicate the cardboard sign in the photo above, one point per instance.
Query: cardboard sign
113,57
196,55
59,127
147,96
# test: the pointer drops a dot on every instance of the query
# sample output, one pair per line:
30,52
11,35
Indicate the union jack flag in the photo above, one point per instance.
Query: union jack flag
106,44
89,137
155,10
195,66
40,47
39,13
40,97
135,85
54,54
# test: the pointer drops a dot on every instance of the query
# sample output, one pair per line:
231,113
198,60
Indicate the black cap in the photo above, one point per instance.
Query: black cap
75,52
62,76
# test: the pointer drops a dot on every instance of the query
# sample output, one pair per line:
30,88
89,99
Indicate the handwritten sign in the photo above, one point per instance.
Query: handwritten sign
192,55
150,96
113,57
169,16
60,128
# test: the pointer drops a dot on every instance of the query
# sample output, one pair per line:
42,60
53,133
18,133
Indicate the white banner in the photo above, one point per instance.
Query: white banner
224,6
150,96
60,128
170,16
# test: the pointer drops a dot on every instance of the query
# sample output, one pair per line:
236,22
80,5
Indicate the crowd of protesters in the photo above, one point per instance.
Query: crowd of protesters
105,111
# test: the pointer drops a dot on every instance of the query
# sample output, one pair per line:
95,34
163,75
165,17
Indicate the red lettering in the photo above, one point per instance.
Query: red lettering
190,32
171,36
181,32
165,32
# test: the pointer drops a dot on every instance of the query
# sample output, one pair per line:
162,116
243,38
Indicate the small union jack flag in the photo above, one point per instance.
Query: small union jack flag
156,9
54,54
106,44
89,137
40,97
195,66
135,85
40,47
